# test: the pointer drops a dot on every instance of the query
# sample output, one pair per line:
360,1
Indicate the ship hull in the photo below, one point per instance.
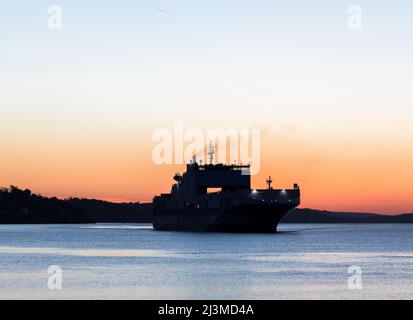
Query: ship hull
242,218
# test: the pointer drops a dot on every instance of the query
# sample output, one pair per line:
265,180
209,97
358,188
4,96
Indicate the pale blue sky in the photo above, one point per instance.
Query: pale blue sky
240,54
132,36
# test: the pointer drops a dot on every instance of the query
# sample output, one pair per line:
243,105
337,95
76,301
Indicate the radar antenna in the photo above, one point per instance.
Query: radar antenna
211,152
269,181
178,178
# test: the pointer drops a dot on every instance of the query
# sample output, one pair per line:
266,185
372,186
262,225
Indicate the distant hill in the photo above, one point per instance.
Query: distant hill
103,211
318,216
23,207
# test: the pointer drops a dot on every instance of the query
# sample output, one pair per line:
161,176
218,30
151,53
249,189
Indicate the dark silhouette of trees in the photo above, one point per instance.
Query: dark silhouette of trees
22,206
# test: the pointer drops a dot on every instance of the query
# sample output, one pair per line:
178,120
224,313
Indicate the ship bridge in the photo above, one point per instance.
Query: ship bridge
225,177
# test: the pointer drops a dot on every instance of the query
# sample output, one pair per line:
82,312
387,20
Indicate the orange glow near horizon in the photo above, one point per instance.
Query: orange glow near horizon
339,177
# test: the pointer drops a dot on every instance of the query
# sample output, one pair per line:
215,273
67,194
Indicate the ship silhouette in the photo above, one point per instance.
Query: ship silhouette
234,207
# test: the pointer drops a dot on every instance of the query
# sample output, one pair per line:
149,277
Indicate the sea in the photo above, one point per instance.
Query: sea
132,261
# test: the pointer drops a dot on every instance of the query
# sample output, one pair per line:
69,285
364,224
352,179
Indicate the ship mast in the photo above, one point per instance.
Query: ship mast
269,181
211,152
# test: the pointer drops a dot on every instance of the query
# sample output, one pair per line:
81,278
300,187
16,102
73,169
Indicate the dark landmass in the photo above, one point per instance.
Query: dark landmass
23,207
318,216
108,212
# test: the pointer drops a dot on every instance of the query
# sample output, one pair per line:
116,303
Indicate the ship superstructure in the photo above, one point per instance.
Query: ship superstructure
218,197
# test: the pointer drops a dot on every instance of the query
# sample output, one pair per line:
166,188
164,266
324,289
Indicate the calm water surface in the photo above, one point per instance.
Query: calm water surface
303,261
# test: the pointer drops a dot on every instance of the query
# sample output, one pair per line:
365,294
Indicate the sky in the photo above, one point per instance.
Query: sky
78,106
